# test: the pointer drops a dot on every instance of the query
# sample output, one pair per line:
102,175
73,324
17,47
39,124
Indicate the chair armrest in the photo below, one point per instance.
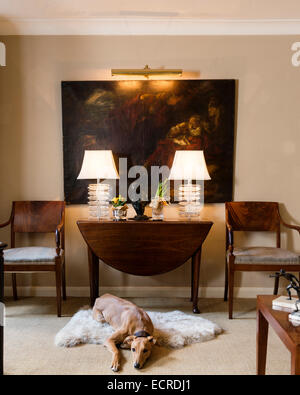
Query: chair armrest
9,221
5,223
230,238
295,227
58,232
60,226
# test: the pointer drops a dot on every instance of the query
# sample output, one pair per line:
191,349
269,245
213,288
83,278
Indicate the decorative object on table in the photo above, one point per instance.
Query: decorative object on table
159,201
146,122
139,207
252,216
173,329
292,302
119,208
98,164
188,166
294,284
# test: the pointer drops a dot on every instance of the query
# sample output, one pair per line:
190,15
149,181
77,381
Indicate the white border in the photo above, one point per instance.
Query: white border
148,26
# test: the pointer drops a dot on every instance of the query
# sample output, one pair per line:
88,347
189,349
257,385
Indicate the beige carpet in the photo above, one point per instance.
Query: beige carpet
31,325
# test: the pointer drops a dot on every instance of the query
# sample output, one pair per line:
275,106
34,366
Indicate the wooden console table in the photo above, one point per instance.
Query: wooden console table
288,333
144,248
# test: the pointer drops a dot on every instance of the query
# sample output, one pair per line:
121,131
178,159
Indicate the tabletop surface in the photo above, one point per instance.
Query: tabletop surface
127,221
279,318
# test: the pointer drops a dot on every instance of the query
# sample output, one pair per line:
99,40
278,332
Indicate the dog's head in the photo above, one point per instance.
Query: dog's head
141,348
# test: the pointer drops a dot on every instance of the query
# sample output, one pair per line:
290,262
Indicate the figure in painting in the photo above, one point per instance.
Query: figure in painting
193,134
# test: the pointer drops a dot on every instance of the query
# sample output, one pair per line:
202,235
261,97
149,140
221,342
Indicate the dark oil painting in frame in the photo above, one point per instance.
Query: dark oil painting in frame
146,122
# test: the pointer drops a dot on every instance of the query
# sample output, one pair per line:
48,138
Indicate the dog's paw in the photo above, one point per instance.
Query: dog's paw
115,365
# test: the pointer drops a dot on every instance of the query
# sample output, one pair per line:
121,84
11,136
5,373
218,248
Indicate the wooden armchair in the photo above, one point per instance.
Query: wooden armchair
257,217
37,217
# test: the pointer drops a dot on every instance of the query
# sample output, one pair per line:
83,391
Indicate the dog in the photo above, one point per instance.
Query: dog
133,329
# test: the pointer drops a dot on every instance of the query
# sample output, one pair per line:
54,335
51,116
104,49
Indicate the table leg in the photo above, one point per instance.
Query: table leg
195,280
262,327
192,276
295,362
94,276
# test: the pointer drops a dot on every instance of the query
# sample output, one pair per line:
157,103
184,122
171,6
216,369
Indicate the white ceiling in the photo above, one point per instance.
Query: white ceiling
170,17
204,9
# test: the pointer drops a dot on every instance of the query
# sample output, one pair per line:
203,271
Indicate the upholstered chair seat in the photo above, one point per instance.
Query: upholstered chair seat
265,255
27,255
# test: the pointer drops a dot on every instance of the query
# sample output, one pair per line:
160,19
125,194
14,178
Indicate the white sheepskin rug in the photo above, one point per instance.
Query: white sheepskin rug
173,329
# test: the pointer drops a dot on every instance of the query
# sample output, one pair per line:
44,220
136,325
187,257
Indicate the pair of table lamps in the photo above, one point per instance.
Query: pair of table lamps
187,166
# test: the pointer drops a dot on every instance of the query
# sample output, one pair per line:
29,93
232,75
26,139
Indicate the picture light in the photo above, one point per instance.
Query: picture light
147,72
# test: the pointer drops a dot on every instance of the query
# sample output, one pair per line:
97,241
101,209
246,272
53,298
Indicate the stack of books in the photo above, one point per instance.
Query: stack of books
286,304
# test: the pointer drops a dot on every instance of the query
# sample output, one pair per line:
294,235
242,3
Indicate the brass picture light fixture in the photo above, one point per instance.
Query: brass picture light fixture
147,72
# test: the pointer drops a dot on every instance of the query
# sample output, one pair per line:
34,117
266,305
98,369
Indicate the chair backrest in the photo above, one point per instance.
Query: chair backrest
253,216
36,216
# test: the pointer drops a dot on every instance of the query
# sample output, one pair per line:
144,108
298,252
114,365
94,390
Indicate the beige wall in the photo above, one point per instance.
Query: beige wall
267,165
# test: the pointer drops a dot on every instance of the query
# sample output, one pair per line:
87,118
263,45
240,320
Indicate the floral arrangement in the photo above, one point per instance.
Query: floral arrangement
119,203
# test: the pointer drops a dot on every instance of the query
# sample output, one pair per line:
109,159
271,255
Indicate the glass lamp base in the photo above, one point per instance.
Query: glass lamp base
98,201
189,200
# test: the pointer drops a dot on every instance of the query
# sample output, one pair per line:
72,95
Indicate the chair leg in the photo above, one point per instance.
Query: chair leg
58,275
14,285
226,282
64,292
276,286
231,287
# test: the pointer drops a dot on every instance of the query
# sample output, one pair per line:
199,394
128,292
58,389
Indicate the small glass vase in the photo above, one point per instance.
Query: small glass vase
157,206
119,214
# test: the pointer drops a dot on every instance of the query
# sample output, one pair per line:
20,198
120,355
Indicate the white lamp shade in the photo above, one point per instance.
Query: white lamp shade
98,164
189,165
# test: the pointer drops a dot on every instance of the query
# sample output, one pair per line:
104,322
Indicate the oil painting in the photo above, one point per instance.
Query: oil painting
146,122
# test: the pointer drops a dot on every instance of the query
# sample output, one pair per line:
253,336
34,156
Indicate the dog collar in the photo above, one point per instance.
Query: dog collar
141,334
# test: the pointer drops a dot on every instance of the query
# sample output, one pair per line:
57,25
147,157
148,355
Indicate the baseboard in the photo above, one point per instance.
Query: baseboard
151,292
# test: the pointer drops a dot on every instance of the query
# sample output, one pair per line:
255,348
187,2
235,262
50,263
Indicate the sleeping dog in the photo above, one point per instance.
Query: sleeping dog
133,329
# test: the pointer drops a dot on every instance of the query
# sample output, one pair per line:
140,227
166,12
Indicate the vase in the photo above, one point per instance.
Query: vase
119,214
157,206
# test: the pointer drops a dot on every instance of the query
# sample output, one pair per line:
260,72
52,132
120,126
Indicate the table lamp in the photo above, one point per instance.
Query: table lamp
188,166
98,164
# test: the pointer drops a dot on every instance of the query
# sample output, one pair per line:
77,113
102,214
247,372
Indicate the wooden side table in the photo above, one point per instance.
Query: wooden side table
288,333
144,248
